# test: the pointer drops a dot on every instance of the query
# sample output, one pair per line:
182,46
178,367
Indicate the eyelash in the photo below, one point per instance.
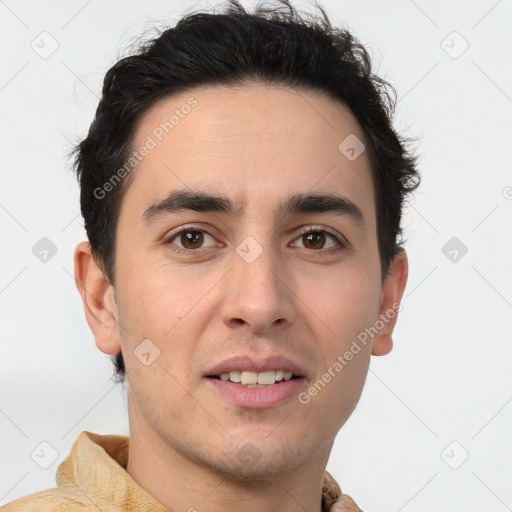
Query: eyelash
302,232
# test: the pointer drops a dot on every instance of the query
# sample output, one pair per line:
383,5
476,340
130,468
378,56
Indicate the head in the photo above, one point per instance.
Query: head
213,148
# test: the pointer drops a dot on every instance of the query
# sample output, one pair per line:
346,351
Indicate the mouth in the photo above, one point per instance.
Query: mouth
250,379
256,383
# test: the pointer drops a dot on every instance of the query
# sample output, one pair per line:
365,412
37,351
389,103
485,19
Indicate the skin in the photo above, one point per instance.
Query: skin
256,144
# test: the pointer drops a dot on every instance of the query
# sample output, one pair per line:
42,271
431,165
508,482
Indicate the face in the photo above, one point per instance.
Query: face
252,288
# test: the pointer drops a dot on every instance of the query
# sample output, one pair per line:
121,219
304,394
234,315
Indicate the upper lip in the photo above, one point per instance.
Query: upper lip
247,363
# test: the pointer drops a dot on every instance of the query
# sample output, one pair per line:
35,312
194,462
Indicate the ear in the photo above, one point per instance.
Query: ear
392,290
98,298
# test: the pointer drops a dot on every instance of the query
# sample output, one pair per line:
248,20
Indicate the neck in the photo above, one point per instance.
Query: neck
181,484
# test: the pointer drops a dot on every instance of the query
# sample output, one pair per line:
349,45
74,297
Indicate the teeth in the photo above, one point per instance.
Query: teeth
256,379
267,377
235,376
249,378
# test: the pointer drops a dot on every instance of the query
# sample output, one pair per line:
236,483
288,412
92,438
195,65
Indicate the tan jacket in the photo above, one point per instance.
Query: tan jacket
93,478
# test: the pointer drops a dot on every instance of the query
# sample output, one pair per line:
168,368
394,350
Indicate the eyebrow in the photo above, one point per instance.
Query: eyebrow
181,200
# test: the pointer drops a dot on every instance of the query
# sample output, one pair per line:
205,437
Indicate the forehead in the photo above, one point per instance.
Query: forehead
252,143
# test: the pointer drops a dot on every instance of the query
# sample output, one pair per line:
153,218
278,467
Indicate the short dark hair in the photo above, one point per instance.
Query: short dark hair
274,45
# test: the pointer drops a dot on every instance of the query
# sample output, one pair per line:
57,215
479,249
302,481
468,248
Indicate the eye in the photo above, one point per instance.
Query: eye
189,238
315,238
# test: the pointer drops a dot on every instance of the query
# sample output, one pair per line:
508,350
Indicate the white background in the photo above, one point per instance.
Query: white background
448,377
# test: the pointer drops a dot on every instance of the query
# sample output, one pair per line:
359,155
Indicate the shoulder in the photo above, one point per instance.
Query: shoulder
44,501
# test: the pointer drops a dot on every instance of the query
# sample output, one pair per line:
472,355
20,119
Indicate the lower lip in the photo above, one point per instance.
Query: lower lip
257,398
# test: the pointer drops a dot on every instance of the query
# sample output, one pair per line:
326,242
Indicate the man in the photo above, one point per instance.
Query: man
242,189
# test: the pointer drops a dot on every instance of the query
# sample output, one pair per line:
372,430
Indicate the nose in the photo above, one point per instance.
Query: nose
258,292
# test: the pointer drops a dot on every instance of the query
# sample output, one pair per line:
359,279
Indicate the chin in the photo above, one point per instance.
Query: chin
258,459
266,469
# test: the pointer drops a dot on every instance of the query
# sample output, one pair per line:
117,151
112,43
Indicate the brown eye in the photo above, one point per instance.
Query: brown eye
316,238
189,239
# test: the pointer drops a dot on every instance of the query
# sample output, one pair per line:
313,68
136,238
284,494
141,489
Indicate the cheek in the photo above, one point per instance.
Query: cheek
161,305
333,393
347,305
157,296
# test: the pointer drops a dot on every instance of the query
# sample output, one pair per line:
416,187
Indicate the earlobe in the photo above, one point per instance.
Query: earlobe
392,291
382,345
98,299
